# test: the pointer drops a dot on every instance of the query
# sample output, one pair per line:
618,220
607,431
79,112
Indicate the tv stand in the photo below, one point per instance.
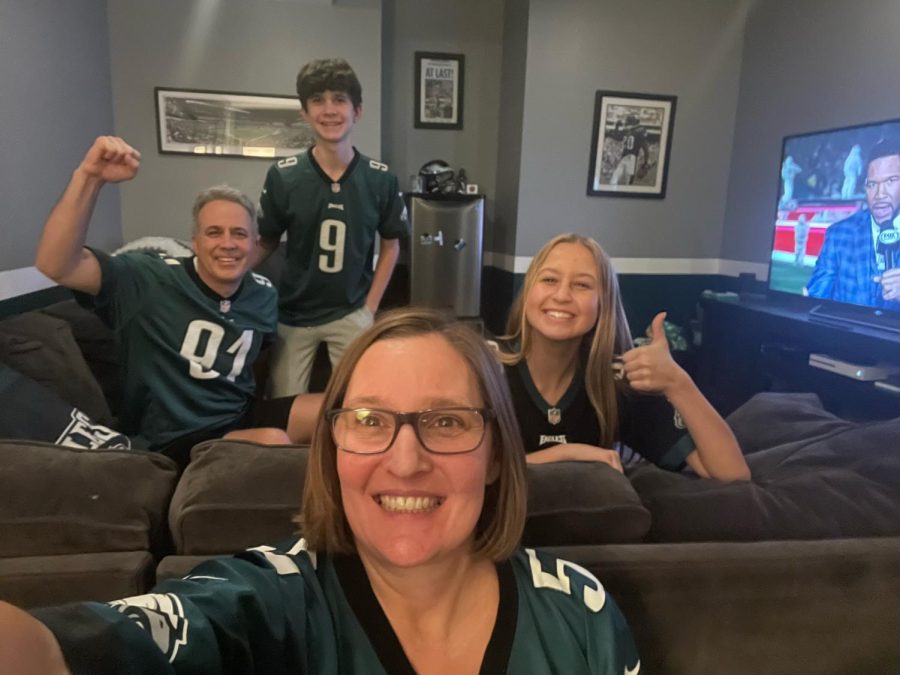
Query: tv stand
869,318
754,345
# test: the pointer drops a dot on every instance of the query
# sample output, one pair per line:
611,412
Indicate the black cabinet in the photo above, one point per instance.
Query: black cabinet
748,346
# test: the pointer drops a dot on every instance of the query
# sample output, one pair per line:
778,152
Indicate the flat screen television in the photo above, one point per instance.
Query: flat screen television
823,181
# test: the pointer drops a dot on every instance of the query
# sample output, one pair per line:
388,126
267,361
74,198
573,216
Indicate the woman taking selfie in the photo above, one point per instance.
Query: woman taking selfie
583,392
413,506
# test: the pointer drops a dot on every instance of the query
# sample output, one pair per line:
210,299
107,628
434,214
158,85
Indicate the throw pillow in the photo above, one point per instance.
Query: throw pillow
814,476
43,348
572,503
236,494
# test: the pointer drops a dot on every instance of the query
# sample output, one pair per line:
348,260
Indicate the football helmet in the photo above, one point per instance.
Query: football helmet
437,176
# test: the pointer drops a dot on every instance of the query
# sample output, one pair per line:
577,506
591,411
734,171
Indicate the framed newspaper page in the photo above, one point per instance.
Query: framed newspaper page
632,140
439,90
228,124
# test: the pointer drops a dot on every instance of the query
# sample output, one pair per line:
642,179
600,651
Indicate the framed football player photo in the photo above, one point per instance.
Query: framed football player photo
439,90
631,144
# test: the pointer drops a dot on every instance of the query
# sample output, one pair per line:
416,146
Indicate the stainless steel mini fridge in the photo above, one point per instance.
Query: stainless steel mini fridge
446,251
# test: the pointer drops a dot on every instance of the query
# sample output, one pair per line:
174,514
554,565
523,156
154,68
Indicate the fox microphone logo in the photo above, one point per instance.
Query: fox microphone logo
889,237
889,247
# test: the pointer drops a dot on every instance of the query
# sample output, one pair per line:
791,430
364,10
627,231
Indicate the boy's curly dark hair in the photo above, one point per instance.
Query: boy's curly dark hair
328,75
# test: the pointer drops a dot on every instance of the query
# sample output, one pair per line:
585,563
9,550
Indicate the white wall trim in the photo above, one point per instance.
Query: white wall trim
28,280
502,261
732,268
21,281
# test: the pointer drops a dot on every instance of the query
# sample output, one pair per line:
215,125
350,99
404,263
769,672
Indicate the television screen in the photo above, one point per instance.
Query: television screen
837,228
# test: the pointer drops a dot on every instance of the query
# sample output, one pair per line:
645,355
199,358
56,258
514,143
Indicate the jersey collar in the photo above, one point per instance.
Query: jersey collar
361,598
324,176
190,266
541,403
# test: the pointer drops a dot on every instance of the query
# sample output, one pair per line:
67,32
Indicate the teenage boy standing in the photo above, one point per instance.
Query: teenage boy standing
331,200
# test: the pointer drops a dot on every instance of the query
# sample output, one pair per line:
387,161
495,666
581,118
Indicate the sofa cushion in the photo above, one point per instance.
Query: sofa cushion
179,566
235,494
56,579
771,419
58,500
814,476
43,348
97,344
744,608
571,503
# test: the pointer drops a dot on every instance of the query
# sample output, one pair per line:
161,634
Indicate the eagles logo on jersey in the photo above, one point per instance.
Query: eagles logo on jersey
161,615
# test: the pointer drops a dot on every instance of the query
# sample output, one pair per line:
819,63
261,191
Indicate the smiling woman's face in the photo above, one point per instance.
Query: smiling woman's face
408,506
563,302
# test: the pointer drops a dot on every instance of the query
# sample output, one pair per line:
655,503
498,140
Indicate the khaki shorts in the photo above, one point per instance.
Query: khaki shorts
295,349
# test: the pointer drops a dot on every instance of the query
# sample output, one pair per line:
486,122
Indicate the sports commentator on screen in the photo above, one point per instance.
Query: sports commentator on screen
860,258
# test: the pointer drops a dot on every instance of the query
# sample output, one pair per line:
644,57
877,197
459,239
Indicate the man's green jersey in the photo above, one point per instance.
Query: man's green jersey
287,610
187,353
331,230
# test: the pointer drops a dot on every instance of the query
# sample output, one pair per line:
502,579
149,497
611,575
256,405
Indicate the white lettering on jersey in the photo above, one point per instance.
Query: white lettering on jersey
161,615
593,595
560,438
332,234
301,545
378,165
261,280
283,564
633,671
286,162
339,207
240,348
200,366
82,433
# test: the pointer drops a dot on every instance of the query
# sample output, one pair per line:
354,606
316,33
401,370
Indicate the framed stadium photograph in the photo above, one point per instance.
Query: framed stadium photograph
439,90
227,124
632,140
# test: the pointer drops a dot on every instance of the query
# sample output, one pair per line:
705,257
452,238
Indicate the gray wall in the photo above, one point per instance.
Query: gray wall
532,69
687,48
808,65
470,27
55,84
502,239
254,46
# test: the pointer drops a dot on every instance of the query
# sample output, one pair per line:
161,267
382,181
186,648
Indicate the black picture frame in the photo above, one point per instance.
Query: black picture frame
631,145
440,83
208,123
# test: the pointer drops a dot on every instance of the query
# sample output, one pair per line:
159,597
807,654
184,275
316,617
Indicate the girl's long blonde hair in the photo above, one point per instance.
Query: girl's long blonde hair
610,336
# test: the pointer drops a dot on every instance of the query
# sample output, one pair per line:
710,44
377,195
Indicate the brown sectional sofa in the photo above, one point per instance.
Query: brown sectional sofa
91,525
796,572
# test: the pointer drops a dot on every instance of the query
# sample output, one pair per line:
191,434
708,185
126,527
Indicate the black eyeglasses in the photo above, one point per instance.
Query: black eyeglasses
443,431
